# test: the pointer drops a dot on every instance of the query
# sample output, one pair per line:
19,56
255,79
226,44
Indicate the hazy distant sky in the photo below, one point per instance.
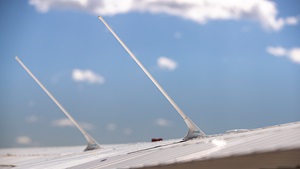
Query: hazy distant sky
227,64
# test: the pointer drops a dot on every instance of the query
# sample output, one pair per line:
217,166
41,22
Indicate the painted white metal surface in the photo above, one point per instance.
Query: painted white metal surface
140,155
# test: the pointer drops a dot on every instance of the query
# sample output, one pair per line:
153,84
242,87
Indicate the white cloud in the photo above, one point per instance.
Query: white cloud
87,126
162,122
65,122
166,63
87,76
23,140
31,103
54,79
292,54
57,77
276,51
111,127
62,123
178,35
200,11
127,131
31,119
291,21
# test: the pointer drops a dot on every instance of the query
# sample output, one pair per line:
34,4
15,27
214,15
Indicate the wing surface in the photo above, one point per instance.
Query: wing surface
270,147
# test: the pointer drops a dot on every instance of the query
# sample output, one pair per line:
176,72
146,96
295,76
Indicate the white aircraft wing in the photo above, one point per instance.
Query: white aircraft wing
269,148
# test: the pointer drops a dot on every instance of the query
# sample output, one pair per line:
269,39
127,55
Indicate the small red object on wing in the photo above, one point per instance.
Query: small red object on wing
156,139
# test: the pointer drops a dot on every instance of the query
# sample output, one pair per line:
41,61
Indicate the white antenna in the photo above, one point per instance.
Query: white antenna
92,144
194,130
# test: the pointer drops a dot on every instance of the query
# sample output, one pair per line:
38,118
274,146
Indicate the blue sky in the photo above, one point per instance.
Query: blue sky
228,65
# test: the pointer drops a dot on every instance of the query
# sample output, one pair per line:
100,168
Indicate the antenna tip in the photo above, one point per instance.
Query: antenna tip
16,58
100,17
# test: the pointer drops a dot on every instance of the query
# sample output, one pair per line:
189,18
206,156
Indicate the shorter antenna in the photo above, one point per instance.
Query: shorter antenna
92,144
193,129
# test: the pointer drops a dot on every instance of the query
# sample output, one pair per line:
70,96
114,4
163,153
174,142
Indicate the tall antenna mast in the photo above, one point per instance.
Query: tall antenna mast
92,144
193,129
